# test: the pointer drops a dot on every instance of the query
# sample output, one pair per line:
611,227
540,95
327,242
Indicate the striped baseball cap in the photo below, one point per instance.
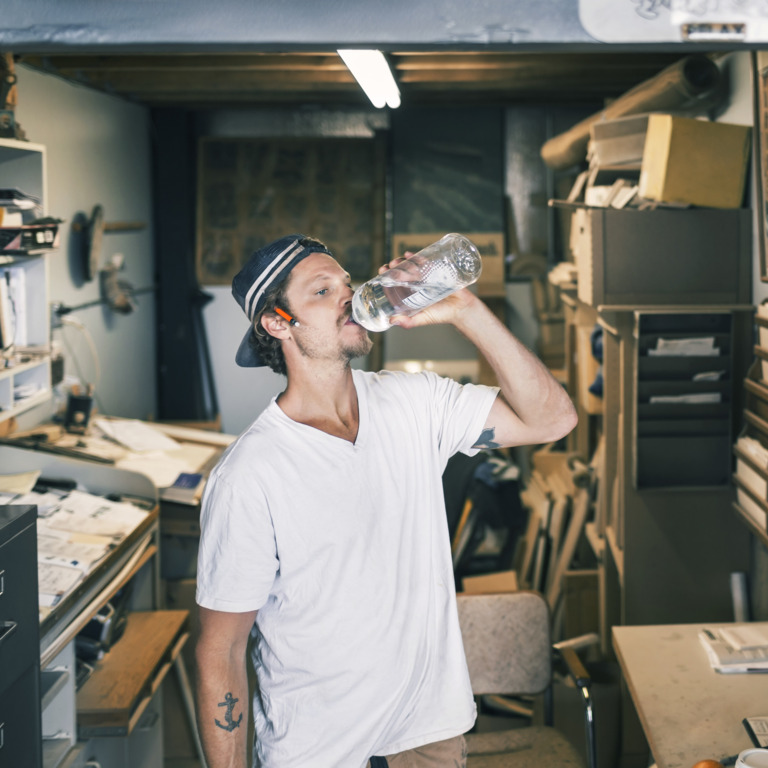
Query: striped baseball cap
267,267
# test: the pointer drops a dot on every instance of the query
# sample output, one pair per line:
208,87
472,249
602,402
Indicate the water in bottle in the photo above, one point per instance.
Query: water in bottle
421,280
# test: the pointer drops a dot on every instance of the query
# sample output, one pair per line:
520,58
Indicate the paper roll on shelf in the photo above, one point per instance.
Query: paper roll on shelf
691,86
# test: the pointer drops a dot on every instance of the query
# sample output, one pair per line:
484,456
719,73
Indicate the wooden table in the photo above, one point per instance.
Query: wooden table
688,711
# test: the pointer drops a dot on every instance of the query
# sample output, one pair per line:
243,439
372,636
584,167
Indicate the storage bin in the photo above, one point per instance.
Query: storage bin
633,257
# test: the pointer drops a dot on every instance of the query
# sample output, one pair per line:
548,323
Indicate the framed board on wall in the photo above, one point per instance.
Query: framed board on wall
251,191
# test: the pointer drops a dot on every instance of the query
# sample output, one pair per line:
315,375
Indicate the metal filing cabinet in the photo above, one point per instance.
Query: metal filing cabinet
20,729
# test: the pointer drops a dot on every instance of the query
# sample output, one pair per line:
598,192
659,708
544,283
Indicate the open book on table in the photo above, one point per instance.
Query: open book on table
737,648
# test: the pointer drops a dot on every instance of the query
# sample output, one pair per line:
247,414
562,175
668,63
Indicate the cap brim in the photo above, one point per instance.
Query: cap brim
247,356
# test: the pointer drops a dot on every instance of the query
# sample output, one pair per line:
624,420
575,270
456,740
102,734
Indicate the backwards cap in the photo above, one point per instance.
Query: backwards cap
267,267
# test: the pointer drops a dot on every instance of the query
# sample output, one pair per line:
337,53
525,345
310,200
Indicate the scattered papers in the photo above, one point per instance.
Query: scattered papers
737,649
62,548
22,482
98,447
45,502
56,580
136,435
85,513
698,346
161,468
75,530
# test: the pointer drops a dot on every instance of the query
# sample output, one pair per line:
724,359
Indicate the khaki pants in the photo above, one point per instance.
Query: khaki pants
451,753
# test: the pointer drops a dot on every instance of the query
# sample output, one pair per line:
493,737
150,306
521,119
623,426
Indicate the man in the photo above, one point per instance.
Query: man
324,532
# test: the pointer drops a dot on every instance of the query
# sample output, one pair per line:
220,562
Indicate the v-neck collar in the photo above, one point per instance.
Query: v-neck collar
362,417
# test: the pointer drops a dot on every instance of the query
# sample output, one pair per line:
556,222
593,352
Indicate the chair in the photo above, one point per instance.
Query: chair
509,652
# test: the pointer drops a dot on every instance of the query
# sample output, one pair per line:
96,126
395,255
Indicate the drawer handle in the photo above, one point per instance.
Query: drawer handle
2,582
7,628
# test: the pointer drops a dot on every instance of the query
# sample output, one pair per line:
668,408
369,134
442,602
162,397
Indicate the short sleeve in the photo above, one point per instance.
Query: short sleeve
237,560
461,412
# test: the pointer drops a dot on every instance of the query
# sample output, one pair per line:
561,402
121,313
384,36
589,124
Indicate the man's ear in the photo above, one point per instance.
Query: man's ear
274,325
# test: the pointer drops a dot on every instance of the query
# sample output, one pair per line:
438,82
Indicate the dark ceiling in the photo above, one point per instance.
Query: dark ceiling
203,81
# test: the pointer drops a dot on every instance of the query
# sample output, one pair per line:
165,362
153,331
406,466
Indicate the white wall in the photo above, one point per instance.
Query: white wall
98,151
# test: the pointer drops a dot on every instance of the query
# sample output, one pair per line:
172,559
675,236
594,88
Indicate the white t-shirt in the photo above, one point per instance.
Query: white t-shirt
344,550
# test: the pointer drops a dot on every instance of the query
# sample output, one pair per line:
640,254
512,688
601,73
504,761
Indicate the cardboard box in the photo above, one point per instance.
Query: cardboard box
665,256
490,583
490,245
694,162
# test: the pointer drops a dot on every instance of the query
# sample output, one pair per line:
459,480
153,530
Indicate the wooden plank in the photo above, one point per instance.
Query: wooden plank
180,62
111,700
206,80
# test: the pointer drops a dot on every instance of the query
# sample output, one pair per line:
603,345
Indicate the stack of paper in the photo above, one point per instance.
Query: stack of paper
17,207
739,648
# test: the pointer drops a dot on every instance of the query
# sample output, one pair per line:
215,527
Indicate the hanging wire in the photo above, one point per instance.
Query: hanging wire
75,323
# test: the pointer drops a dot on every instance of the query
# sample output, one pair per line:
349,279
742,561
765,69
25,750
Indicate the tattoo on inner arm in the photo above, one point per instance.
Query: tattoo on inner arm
229,702
487,439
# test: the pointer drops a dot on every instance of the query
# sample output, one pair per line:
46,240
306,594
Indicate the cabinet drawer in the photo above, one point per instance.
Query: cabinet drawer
19,623
20,738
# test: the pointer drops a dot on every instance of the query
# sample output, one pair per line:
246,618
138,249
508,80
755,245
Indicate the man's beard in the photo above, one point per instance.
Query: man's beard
358,348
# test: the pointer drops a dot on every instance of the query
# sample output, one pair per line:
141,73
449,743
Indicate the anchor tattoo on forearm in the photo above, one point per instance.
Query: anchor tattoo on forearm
229,702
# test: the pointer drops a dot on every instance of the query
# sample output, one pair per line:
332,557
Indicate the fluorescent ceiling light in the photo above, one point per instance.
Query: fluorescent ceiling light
372,72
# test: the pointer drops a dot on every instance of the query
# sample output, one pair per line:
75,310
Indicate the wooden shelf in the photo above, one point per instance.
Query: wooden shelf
114,697
751,523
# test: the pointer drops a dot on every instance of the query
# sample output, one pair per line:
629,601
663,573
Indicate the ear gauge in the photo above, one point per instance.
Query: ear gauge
286,316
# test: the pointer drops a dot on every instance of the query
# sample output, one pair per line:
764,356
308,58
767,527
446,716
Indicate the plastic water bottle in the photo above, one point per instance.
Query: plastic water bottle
423,279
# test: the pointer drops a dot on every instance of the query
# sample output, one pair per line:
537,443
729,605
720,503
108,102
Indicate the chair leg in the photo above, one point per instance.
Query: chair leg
589,725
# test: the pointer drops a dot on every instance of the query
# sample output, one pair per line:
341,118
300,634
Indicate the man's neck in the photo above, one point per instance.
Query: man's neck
325,400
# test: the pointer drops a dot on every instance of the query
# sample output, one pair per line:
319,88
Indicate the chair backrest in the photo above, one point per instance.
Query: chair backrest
507,642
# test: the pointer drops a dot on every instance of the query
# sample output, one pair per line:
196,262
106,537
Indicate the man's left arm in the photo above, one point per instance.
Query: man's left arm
533,407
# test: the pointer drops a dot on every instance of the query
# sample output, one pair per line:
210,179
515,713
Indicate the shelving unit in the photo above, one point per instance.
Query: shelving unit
750,477
664,534
25,380
72,724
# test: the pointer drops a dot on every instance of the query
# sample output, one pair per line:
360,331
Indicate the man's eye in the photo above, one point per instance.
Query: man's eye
322,292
